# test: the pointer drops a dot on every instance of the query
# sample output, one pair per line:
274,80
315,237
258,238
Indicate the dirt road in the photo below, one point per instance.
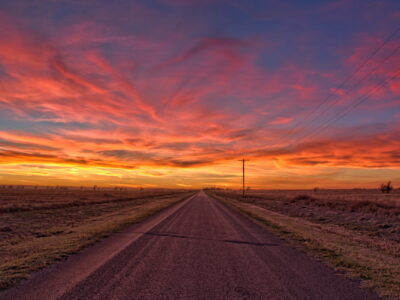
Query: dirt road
198,249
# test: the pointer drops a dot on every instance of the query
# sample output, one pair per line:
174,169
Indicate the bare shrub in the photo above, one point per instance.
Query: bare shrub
303,198
386,188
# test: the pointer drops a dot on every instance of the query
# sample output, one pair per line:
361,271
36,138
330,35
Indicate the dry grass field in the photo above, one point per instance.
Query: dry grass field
39,226
355,231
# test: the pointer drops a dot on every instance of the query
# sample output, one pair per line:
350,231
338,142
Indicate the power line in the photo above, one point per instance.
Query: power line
349,108
343,83
358,83
368,75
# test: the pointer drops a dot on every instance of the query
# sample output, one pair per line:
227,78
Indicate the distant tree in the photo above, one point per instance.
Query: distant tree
316,189
386,188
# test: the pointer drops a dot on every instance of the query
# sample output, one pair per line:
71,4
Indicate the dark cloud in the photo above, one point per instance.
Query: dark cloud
16,156
26,146
190,163
128,155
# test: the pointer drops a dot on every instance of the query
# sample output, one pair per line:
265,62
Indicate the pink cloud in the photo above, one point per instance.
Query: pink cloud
280,121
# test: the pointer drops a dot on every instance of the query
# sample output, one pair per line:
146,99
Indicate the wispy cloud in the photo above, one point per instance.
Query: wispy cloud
167,91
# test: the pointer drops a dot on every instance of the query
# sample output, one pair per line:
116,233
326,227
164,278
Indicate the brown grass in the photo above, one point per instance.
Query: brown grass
13,199
37,233
365,206
357,236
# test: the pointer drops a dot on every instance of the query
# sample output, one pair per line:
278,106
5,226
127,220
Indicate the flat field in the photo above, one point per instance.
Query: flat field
39,226
355,231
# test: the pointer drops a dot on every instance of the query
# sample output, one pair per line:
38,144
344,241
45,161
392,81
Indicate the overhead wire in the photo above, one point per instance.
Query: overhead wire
349,108
368,75
343,83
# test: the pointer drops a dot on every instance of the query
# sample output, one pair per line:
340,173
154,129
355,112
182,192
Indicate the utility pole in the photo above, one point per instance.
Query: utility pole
243,161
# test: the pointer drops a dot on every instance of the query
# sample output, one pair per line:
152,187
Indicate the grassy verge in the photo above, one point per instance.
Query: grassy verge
40,237
374,260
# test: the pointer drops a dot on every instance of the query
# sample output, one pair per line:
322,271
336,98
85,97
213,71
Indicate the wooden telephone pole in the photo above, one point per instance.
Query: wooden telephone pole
243,161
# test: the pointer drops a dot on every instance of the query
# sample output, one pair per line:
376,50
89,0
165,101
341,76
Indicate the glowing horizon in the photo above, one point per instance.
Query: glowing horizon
172,93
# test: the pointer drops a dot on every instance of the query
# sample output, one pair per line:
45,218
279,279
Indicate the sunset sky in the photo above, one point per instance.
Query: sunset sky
173,93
